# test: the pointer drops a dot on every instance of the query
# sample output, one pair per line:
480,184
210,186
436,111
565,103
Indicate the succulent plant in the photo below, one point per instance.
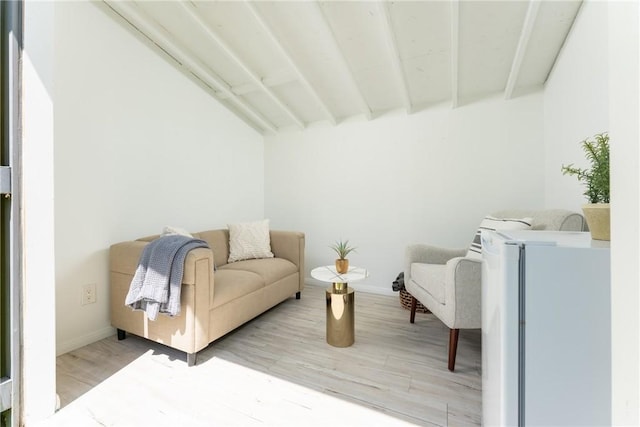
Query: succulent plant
342,248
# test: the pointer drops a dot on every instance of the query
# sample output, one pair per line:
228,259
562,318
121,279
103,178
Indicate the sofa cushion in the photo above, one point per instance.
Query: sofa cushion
431,278
169,230
249,240
229,284
218,241
270,269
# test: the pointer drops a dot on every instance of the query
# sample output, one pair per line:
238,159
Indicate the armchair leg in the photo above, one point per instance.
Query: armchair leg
298,295
121,334
453,347
414,303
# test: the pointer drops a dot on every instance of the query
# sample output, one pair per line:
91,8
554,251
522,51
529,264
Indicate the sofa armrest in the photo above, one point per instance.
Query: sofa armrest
198,264
290,246
189,331
465,277
192,261
124,258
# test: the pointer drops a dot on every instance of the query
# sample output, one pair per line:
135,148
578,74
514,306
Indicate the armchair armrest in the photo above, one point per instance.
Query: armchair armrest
464,279
428,254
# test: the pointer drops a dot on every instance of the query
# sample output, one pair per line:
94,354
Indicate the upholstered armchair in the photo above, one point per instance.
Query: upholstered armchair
448,282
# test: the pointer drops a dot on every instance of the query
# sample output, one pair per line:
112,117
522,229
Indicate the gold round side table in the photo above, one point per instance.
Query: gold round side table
340,303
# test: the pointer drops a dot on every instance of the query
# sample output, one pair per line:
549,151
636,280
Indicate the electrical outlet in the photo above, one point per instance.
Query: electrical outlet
88,294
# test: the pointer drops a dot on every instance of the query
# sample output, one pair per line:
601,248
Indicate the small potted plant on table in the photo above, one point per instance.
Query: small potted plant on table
342,249
596,180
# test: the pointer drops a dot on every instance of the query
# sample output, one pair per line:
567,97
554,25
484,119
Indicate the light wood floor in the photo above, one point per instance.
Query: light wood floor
278,370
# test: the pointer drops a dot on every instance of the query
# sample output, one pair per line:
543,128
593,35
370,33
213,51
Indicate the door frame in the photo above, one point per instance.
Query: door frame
11,14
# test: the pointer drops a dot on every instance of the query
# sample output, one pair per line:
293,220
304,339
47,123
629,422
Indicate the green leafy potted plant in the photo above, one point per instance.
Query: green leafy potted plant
596,181
343,249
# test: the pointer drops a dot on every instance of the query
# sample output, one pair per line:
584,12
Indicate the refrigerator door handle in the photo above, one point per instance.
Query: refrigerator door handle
521,334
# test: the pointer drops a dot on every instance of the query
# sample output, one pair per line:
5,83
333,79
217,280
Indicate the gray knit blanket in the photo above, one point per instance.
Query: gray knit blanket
156,284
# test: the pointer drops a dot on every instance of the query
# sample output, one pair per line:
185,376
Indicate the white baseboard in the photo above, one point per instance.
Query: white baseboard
360,287
72,344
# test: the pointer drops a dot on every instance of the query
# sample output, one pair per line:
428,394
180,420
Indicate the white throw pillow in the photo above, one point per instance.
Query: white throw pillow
249,240
169,231
493,224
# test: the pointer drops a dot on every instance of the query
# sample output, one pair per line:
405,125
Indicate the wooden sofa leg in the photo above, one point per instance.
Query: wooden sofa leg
453,347
191,359
414,303
298,295
121,334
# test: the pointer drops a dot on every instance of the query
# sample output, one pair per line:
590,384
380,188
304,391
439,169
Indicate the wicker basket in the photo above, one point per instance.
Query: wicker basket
405,300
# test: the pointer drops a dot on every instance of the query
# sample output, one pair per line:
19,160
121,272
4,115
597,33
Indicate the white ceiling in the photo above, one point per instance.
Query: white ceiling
282,64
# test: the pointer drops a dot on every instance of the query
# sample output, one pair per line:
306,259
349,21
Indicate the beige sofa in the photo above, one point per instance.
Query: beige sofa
212,303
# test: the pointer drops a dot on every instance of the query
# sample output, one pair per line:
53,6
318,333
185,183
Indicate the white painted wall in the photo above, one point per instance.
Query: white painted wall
38,291
428,177
624,85
594,87
576,103
137,146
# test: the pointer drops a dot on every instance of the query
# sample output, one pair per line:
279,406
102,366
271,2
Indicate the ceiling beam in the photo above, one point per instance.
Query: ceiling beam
523,44
455,47
364,106
190,9
283,51
395,55
156,34
270,81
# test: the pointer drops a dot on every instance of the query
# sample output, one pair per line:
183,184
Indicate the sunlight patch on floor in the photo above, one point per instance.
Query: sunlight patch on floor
158,390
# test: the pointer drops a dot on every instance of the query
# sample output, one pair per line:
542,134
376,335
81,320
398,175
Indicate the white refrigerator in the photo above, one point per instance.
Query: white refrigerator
546,329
